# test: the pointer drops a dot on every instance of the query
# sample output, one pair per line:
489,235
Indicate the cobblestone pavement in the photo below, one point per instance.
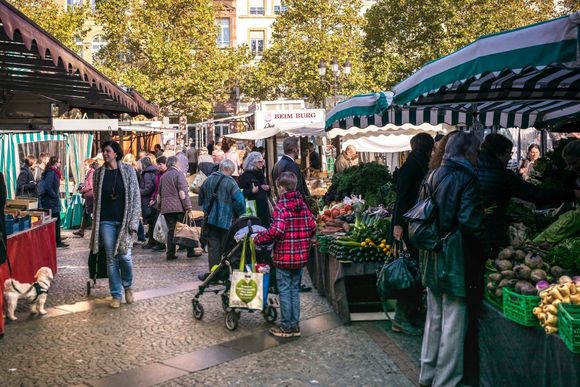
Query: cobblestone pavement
344,356
77,347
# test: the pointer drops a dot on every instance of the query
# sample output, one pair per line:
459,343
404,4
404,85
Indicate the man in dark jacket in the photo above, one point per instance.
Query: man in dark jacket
499,184
409,178
25,185
287,164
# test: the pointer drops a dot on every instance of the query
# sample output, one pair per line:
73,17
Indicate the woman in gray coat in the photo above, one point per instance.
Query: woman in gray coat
117,209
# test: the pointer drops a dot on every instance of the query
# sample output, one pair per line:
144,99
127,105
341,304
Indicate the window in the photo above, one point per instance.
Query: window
72,3
98,43
279,8
223,39
256,7
78,45
257,42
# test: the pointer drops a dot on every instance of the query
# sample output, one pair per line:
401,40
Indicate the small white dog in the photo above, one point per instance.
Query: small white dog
35,293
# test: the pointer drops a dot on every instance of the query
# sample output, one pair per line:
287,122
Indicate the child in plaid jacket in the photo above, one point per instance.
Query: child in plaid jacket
292,227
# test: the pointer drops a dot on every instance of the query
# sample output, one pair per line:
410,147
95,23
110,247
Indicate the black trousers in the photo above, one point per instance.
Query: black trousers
57,227
171,219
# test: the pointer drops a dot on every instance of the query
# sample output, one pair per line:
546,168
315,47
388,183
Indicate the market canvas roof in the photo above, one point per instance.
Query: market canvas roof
33,61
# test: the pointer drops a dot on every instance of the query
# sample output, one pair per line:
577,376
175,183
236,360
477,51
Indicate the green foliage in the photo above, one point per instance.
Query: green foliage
401,36
567,255
66,25
366,179
310,31
167,50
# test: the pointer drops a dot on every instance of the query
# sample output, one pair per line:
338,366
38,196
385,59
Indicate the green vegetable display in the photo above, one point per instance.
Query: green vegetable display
567,255
367,179
567,225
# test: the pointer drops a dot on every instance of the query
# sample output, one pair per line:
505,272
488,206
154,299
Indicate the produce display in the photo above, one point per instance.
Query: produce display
372,181
541,267
566,291
367,241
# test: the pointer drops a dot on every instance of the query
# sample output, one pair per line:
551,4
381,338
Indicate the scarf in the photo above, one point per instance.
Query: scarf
57,171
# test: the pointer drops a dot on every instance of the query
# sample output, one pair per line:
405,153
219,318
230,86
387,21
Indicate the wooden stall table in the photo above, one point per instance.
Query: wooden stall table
28,251
343,297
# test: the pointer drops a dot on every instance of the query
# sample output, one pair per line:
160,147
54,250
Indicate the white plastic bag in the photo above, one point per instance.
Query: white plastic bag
197,182
160,231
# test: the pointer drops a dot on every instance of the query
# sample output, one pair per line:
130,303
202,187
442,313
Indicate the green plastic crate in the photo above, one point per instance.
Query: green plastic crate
569,325
518,307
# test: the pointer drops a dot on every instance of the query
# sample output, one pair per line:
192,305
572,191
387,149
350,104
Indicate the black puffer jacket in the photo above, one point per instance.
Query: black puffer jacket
458,266
257,178
498,185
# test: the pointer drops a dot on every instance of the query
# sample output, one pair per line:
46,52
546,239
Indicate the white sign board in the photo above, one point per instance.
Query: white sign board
286,118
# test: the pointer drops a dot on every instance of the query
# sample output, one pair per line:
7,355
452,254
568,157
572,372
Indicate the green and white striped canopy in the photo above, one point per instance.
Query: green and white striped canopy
538,62
519,78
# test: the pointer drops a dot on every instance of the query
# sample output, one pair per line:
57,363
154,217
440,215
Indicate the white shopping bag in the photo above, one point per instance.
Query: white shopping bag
247,290
160,231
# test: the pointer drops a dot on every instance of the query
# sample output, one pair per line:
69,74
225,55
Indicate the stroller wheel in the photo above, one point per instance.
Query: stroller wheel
270,314
232,320
197,309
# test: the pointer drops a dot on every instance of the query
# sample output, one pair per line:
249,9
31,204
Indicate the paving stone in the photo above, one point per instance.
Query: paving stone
343,356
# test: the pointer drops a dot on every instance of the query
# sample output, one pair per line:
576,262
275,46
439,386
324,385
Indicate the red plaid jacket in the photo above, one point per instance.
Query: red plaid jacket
291,229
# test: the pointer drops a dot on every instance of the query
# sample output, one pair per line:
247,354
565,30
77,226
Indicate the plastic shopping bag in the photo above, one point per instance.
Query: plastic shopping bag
160,231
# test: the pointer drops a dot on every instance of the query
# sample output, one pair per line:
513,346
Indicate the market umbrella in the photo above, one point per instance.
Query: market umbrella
523,78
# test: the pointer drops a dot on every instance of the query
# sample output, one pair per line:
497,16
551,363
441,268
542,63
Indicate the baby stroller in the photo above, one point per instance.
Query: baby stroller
219,281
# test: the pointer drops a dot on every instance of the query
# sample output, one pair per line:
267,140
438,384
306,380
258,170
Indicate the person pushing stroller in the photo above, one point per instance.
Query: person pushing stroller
291,229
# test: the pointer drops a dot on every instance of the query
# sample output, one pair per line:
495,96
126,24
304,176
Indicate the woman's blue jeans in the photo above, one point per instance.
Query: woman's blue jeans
120,266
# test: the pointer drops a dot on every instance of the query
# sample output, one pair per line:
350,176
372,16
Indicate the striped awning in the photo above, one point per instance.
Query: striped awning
528,77
537,62
10,160
505,114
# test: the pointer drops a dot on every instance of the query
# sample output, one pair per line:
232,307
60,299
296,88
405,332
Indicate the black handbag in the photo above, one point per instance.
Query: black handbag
399,278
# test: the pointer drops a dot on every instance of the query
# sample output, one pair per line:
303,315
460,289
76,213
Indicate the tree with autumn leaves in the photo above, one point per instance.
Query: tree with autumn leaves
403,35
167,50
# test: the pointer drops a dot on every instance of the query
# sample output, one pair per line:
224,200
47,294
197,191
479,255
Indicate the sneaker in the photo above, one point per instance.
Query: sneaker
129,296
281,332
406,328
115,303
295,332
62,245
